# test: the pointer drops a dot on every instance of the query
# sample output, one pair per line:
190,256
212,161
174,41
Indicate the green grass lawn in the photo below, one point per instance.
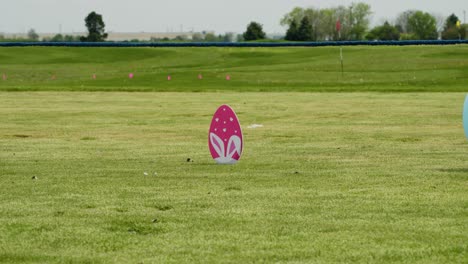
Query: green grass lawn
405,69
331,177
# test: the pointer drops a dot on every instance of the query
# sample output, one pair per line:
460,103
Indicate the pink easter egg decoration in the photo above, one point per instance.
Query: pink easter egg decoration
200,76
169,77
228,77
225,139
130,75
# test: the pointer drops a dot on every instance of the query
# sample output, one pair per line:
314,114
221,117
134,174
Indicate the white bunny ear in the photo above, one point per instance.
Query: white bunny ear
217,144
234,146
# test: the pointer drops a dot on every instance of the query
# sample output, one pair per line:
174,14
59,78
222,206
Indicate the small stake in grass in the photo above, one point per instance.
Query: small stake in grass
338,29
341,59
465,116
130,75
169,77
228,77
94,76
4,77
200,77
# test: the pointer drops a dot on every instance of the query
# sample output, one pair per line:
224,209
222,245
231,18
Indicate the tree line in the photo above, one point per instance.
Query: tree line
339,23
353,23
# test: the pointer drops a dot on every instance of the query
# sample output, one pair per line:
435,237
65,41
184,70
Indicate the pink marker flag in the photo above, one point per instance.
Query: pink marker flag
130,75
200,76
169,77
338,25
228,77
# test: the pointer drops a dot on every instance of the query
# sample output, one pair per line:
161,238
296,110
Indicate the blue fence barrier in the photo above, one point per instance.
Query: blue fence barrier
233,44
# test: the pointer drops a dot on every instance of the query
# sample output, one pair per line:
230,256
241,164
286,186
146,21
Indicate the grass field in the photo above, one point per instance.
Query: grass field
410,68
331,177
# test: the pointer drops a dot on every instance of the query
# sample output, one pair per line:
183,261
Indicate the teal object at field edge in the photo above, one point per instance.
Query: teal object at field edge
465,116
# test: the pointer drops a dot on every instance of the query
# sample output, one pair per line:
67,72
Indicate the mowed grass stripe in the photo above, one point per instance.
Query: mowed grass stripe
331,177
384,69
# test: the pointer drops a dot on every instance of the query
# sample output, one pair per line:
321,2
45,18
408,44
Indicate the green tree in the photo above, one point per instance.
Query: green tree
292,32
354,21
294,16
451,21
95,26
57,38
210,37
70,38
422,25
342,13
327,27
180,38
401,22
451,31
254,32
384,32
304,33
455,33
359,17
229,37
32,35
197,37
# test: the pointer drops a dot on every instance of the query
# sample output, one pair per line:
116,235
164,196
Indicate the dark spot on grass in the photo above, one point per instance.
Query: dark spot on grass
233,188
21,136
34,177
328,230
88,138
163,207
296,172
121,210
203,205
409,139
188,159
155,220
139,228
59,213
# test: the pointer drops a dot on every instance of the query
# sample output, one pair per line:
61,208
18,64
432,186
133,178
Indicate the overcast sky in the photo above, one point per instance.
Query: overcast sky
17,16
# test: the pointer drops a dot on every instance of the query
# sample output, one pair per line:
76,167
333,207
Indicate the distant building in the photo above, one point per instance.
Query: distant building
120,36
147,36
